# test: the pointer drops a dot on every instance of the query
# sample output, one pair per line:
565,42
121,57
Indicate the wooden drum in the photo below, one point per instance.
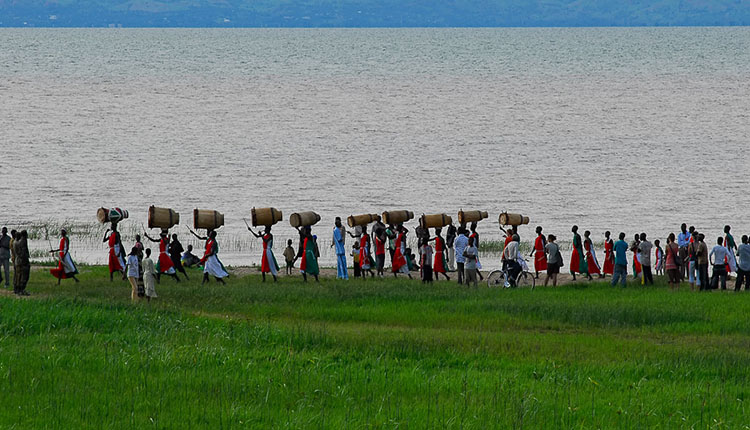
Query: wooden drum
300,219
162,218
265,216
208,219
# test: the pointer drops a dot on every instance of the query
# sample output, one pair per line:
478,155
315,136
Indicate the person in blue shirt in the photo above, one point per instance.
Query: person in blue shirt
339,243
621,261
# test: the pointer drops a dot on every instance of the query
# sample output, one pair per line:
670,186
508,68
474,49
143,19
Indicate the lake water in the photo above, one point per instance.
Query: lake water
624,129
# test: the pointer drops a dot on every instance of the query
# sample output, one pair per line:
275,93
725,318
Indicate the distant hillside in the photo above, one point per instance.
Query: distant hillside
372,13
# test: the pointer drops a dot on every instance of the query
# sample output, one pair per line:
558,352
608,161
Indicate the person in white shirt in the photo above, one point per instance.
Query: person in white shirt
149,275
717,258
470,254
132,268
511,255
459,245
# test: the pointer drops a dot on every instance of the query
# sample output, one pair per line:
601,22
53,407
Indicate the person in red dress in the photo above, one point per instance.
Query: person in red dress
609,255
439,264
164,265
539,253
365,258
65,266
268,262
400,264
591,261
116,252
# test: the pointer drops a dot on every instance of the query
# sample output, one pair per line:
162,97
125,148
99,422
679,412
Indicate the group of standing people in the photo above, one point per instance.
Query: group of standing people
14,250
685,256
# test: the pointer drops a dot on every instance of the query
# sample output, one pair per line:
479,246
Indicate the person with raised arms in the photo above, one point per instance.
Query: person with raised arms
268,262
116,259
164,264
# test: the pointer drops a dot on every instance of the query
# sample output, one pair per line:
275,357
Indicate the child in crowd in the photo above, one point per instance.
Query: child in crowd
149,275
659,254
289,255
470,266
425,261
132,268
355,257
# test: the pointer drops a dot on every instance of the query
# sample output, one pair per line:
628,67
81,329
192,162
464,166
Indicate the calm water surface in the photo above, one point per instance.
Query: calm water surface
620,129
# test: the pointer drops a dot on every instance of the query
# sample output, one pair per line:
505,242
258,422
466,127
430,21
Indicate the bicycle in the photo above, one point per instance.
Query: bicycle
499,277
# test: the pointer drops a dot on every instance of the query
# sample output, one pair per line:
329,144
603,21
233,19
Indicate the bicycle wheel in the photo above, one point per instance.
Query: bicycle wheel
496,279
526,280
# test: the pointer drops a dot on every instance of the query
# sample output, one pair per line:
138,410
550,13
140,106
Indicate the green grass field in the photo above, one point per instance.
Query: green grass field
374,354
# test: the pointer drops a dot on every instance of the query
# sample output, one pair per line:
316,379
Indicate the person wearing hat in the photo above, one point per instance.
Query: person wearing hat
66,268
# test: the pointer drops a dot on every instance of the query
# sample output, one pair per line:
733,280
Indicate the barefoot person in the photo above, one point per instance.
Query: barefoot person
133,269
116,252
672,257
175,253
609,255
211,264
578,258
66,268
554,260
268,262
164,264
21,263
475,235
339,242
149,275
308,254
400,264
539,253
592,263
439,266
365,257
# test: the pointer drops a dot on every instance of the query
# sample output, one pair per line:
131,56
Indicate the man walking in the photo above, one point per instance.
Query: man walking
621,261
5,257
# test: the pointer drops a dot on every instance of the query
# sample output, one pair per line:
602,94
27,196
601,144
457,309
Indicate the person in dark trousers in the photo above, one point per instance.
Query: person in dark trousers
718,258
175,253
644,250
743,265
23,264
5,257
701,254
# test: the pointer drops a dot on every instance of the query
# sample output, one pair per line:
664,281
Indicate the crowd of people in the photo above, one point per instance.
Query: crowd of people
684,257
